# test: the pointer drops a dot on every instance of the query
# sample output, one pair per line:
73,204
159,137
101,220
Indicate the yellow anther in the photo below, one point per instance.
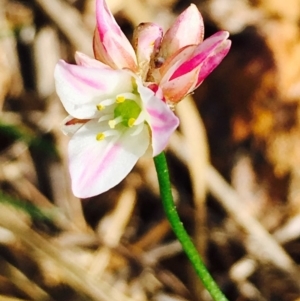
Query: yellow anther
112,124
100,136
120,99
100,107
131,122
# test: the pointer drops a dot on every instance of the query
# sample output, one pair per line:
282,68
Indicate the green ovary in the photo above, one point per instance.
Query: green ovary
129,111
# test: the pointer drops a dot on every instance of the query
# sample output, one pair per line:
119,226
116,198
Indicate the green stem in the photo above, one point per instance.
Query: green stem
179,230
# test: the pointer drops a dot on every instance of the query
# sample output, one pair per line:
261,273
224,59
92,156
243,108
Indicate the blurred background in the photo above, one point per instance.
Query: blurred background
234,163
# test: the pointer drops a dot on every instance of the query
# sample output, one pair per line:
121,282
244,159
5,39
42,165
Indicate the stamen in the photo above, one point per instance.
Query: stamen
131,122
100,107
100,136
105,117
127,96
109,133
102,104
112,123
120,99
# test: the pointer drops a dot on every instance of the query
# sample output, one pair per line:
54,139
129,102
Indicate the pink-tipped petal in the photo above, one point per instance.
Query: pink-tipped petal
174,61
80,88
110,44
161,119
201,53
97,166
146,41
188,29
213,61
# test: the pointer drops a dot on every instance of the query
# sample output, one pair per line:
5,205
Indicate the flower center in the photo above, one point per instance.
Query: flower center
127,112
124,113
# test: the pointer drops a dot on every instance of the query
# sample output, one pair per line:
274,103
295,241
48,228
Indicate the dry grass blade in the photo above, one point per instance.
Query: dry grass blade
6,298
72,273
69,22
263,246
111,229
23,283
196,147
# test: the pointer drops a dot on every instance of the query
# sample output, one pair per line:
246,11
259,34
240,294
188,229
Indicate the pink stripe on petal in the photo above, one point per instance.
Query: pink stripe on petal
163,123
204,50
155,114
91,82
105,20
78,75
84,60
177,59
110,44
212,62
95,168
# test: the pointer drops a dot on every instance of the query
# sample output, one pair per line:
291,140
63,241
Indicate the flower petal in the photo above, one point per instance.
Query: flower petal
97,166
110,44
176,89
188,29
161,119
213,61
201,53
146,41
173,62
81,88
86,61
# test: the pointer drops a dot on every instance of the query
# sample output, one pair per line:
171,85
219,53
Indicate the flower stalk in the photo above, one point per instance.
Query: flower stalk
179,230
